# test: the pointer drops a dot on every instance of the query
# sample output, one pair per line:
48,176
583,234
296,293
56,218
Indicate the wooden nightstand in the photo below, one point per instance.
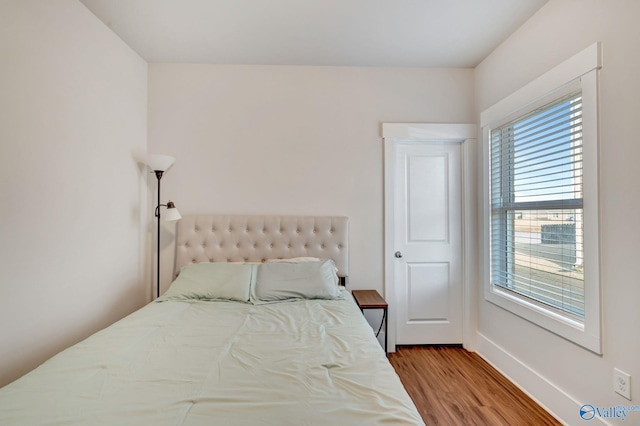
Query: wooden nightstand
371,299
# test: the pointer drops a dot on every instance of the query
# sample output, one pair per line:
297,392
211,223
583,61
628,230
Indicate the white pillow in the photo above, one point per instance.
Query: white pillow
295,280
212,281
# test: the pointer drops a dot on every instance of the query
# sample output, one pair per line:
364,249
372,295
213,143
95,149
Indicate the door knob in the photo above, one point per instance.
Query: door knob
398,254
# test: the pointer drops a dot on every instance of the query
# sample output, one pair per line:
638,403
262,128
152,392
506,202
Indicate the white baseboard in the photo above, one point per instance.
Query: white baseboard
553,399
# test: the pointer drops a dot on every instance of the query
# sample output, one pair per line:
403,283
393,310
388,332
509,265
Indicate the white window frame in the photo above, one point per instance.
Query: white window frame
582,70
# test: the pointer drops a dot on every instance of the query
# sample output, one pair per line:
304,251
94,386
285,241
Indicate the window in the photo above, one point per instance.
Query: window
536,186
541,224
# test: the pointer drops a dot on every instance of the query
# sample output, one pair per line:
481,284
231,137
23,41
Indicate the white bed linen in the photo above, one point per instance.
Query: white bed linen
304,362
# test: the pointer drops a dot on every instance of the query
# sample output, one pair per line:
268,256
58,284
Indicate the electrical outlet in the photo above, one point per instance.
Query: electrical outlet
622,383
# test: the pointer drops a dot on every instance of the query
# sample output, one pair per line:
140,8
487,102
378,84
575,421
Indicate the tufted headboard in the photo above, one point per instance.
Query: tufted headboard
231,238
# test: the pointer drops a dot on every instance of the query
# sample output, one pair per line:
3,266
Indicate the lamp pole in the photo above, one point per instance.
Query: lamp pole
159,176
160,164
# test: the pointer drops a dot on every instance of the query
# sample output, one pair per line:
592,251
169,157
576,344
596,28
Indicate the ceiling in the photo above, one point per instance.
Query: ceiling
385,33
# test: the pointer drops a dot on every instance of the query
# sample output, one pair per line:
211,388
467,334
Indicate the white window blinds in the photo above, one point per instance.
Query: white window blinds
537,206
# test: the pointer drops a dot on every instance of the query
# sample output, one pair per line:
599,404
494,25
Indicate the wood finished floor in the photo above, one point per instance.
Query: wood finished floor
451,386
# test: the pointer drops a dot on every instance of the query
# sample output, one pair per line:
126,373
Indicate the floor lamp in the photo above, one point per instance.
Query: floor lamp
159,164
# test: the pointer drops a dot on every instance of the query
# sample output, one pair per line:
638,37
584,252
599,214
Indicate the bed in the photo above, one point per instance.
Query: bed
260,347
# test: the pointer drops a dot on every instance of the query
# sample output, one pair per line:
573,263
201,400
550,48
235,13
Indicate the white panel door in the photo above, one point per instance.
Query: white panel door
428,242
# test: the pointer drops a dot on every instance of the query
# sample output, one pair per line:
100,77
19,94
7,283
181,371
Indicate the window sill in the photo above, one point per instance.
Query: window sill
547,318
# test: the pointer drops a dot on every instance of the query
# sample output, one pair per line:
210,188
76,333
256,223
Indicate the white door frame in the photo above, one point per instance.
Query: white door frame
465,134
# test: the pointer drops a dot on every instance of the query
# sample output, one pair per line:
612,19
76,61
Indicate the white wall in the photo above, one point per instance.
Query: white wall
558,373
72,111
292,140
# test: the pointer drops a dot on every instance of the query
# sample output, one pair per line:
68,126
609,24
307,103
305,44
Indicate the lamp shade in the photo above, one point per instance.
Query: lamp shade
172,213
158,162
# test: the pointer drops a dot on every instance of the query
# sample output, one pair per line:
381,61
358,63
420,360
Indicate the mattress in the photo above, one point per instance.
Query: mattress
303,362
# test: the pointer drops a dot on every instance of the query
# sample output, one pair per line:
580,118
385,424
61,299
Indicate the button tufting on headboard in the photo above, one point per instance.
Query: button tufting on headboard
221,238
